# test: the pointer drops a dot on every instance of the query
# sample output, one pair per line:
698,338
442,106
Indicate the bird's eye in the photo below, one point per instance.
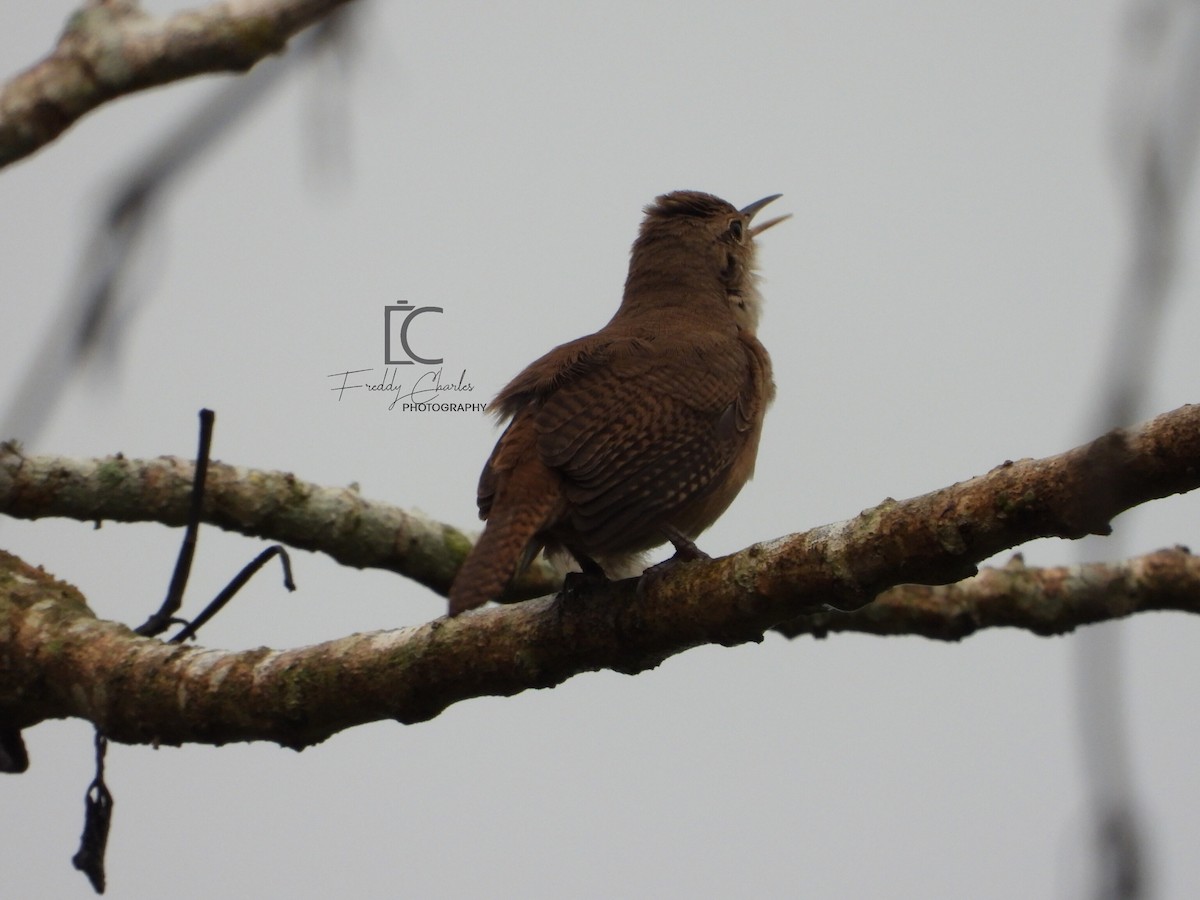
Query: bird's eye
736,230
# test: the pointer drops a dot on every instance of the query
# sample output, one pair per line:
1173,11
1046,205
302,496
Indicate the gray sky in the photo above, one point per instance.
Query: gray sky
940,302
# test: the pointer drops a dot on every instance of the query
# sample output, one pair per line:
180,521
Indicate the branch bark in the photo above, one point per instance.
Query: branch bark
1044,601
275,506
111,48
57,659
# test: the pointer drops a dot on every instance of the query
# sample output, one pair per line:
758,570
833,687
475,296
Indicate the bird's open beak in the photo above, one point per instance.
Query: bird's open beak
754,207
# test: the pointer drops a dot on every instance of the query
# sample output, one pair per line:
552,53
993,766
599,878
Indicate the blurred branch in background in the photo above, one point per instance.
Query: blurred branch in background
98,308
1156,113
110,48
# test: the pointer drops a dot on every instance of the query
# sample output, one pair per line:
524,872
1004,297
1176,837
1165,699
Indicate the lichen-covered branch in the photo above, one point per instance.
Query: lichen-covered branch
1044,601
934,539
939,537
276,506
57,660
110,48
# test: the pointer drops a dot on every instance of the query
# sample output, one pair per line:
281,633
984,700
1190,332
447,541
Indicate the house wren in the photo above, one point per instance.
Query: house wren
645,431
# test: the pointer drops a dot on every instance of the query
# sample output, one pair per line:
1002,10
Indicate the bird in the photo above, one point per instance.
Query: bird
644,432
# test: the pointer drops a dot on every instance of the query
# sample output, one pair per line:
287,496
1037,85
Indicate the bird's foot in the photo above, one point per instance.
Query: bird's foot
578,584
685,552
576,587
685,549
583,582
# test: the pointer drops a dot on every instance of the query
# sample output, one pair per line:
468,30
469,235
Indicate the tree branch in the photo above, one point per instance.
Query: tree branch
275,506
110,48
935,539
1046,602
140,690
57,659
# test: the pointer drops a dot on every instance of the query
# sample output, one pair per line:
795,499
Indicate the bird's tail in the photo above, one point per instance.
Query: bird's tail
525,506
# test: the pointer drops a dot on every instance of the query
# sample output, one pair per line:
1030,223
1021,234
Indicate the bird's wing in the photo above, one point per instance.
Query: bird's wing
521,398
634,438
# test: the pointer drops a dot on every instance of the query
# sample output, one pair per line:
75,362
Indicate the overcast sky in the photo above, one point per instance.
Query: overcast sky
941,301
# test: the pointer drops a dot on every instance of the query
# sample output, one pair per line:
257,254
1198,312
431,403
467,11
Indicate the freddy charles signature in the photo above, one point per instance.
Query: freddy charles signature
428,391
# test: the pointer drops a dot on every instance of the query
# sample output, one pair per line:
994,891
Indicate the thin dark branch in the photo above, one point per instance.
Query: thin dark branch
161,620
248,571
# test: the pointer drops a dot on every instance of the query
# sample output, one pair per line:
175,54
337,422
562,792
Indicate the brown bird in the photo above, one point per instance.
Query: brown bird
645,431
